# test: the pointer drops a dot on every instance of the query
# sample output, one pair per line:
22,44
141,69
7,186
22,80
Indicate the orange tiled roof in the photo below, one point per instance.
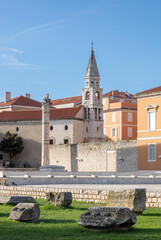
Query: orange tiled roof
77,99
156,89
61,113
21,101
115,94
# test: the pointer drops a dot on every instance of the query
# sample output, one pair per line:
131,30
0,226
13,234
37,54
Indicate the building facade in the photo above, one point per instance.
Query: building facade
149,129
120,116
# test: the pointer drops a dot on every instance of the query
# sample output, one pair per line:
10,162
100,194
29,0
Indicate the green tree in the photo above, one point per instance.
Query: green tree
11,144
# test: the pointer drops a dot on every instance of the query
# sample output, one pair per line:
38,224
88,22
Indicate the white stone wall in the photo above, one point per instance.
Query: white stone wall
30,131
60,155
86,157
59,133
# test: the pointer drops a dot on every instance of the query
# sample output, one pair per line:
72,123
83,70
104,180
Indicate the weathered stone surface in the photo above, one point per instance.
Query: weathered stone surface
25,212
107,217
3,181
62,199
15,199
135,199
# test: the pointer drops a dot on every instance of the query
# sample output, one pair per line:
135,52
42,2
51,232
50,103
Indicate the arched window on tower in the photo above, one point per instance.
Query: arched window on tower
87,95
97,96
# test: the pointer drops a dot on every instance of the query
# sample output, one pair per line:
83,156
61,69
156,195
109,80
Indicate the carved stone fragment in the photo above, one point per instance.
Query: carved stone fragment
107,218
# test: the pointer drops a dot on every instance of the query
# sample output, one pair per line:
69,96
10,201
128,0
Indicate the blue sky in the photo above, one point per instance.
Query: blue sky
45,45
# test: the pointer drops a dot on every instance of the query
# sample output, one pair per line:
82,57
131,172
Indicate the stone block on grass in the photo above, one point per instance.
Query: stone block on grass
60,199
15,199
107,218
25,212
134,199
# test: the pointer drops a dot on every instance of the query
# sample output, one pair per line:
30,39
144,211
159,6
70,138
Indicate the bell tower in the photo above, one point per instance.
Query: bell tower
92,102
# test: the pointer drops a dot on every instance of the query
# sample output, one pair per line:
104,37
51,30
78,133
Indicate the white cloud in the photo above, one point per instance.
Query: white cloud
9,58
11,50
42,27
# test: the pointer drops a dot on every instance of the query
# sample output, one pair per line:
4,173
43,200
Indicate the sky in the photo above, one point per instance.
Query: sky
45,45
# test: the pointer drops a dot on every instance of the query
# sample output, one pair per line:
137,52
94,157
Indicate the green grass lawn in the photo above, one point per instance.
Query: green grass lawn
62,224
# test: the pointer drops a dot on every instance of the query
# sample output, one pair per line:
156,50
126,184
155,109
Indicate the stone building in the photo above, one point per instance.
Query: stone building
70,125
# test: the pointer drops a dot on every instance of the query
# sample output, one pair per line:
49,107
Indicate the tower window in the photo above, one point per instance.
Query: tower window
86,129
88,113
65,141
97,129
99,114
17,129
51,128
85,113
51,142
95,113
66,127
87,95
96,96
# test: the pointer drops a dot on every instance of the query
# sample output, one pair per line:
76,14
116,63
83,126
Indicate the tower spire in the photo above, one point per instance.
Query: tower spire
92,44
92,69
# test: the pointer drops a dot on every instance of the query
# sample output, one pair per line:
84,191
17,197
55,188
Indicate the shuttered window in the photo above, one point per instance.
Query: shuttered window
114,117
113,132
152,152
129,131
151,120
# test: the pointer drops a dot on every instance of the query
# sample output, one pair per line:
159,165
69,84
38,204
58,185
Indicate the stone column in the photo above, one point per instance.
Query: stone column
45,130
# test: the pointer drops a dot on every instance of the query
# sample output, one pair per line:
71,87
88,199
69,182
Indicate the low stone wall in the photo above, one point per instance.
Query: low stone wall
96,196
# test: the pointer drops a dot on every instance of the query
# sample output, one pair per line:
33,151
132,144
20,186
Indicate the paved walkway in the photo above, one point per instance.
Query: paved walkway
149,187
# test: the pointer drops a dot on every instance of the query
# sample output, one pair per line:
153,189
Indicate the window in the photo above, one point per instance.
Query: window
152,152
97,129
66,127
114,117
85,113
95,113
99,113
104,131
113,132
97,96
88,113
1,156
129,117
104,101
51,128
51,142
151,120
86,129
129,132
87,95
121,100
65,141
133,101
104,117
17,129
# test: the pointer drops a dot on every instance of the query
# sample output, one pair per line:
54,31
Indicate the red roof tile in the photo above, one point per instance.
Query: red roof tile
156,89
77,100
61,113
21,101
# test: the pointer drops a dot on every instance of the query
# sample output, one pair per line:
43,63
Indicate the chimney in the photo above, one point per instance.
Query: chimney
7,97
27,95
